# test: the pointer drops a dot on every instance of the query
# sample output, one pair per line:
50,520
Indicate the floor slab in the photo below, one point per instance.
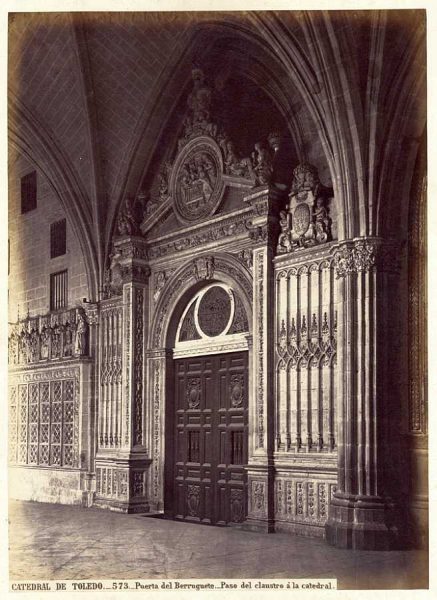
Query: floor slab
49,541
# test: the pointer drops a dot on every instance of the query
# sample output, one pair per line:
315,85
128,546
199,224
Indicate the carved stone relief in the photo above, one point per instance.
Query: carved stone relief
49,337
193,500
306,221
196,185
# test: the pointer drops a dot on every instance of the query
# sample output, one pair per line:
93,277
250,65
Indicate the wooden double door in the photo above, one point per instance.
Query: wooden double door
207,451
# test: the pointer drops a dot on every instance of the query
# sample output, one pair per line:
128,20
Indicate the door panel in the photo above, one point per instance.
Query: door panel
210,439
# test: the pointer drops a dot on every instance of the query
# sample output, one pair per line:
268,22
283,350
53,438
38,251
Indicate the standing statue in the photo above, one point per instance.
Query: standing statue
44,343
322,221
262,164
127,223
68,340
81,340
199,101
284,242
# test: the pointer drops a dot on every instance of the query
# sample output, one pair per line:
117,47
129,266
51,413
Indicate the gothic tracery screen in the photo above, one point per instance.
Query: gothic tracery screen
42,422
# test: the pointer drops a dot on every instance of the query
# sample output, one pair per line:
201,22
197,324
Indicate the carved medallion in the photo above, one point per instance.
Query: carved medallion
302,219
193,392
196,182
214,311
237,390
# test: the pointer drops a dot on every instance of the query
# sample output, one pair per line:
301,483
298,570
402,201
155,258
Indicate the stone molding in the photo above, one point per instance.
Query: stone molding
223,264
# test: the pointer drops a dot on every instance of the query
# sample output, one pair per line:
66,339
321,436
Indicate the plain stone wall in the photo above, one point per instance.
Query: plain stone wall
29,247
45,485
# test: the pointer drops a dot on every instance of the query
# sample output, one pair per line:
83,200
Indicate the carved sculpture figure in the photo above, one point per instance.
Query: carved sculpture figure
305,178
34,346
81,341
160,279
116,280
127,224
44,343
322,221
239,167
199,101
56,341
284,242
262,164
68,340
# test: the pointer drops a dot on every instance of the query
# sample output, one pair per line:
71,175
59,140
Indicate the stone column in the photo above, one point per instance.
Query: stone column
362,514
260,474
92,315
122,471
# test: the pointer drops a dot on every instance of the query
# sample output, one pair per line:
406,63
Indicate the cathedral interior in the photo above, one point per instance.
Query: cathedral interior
217,269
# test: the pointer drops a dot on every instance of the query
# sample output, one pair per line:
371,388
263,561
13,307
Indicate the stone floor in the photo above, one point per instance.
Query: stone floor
50,541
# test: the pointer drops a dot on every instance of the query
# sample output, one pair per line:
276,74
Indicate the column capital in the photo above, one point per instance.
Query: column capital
132,256
362,254
265,202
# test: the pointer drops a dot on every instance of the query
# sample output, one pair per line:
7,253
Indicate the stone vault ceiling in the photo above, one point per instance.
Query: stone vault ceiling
90,94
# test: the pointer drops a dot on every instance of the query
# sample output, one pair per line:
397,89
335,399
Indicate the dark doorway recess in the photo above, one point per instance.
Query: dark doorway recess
206,440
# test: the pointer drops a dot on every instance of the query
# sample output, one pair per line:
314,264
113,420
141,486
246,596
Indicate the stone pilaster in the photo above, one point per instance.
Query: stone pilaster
260,473
159,368
362,514
122,471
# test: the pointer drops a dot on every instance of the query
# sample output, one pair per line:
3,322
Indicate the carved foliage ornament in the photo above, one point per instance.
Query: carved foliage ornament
360,256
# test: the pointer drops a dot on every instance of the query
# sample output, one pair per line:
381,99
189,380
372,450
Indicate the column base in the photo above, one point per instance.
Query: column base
120,506
121,483
257,525
362,523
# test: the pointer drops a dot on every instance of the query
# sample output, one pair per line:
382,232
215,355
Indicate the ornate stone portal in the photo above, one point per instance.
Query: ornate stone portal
277,285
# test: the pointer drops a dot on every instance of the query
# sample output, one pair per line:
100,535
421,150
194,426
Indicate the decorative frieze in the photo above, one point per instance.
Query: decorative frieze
303,501
54,336
231,227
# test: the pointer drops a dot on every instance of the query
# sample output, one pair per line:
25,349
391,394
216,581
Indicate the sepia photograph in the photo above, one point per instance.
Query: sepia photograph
217,300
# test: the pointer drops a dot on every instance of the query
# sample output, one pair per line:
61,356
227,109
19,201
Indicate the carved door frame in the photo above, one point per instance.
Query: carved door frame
187,279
